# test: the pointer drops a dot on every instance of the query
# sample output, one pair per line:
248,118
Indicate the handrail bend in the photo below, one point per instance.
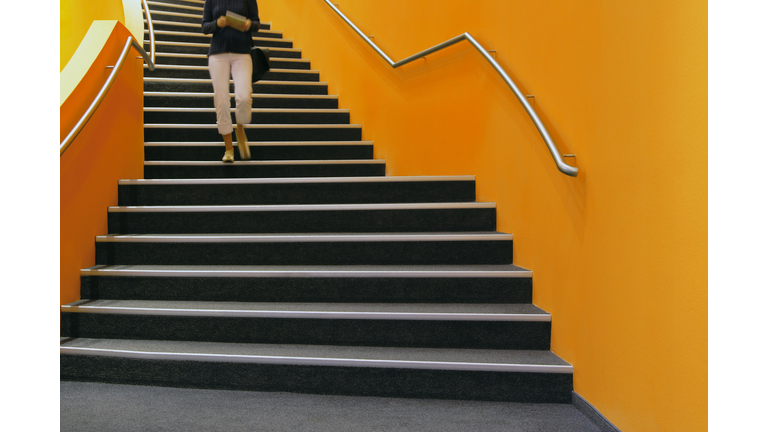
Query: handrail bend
148,58
553,150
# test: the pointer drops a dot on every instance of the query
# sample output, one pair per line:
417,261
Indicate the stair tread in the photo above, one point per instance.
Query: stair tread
296,207
377,179
408,236
276,307
525,357
269,162
321,269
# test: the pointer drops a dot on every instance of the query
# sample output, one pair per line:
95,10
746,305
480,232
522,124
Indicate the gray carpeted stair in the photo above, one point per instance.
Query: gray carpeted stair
305,269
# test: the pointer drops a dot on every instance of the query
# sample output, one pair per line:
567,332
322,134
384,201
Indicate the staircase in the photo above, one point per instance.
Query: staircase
306,269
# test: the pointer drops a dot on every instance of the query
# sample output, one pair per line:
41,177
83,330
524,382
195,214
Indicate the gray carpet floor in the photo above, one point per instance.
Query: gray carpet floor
100,407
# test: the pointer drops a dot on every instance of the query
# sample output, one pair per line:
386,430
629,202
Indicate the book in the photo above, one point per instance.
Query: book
235,20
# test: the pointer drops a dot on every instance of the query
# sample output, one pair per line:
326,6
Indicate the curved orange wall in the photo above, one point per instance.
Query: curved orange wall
109,147
619,254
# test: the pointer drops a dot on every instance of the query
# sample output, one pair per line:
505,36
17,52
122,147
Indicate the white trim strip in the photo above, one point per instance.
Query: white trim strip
205,69
381,179
253,110
254,96
296,238
198,26
259,143
205,56
320,361
263,163
204,80
206,45
289,314
312,273
252,126
299,207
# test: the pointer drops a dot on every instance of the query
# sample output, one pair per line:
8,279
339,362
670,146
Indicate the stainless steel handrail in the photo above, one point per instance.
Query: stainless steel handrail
104,89
151,31
553,150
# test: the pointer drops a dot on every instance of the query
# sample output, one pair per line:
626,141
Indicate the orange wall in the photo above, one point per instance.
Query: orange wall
109,147
619,254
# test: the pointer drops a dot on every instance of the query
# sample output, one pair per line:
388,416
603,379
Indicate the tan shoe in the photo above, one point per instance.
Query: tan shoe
242,144
229,156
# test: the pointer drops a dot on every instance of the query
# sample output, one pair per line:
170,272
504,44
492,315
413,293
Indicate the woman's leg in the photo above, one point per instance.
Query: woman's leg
219,69
242,70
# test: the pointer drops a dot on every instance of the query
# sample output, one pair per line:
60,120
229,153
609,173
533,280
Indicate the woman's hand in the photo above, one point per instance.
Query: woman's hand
247,24
221,22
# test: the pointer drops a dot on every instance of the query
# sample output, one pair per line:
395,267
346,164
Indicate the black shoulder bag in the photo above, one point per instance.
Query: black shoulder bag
259,56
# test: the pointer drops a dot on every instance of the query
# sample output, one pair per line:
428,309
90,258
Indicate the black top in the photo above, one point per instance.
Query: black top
228,39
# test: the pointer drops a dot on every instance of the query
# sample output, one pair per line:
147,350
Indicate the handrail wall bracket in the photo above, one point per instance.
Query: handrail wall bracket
551,146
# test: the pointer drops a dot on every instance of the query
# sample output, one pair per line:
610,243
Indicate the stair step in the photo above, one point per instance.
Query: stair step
258,115
302,218
183,35
201,47
158,5
263,169
517,376
205,100
335,284
306,249
164,58
181,71
191,30
322,190
192,7
425,325
189,18
255,132
204,86
264,151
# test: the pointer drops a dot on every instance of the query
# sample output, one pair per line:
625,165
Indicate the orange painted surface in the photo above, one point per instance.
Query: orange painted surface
110,147
619,254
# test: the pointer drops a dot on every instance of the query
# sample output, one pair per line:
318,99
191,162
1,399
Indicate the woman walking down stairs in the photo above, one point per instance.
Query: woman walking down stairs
302,270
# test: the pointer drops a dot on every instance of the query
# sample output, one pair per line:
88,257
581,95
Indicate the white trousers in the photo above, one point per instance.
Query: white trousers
241,67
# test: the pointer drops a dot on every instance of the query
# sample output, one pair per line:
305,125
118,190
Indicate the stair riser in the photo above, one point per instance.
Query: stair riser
410,383
161,134
185,35
156,11
348,332
442,220
158,14
297,193
256,102
204,74
306,253
275,63
209,117
263,171
261,152
259,87
176,49
195,34
309,290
